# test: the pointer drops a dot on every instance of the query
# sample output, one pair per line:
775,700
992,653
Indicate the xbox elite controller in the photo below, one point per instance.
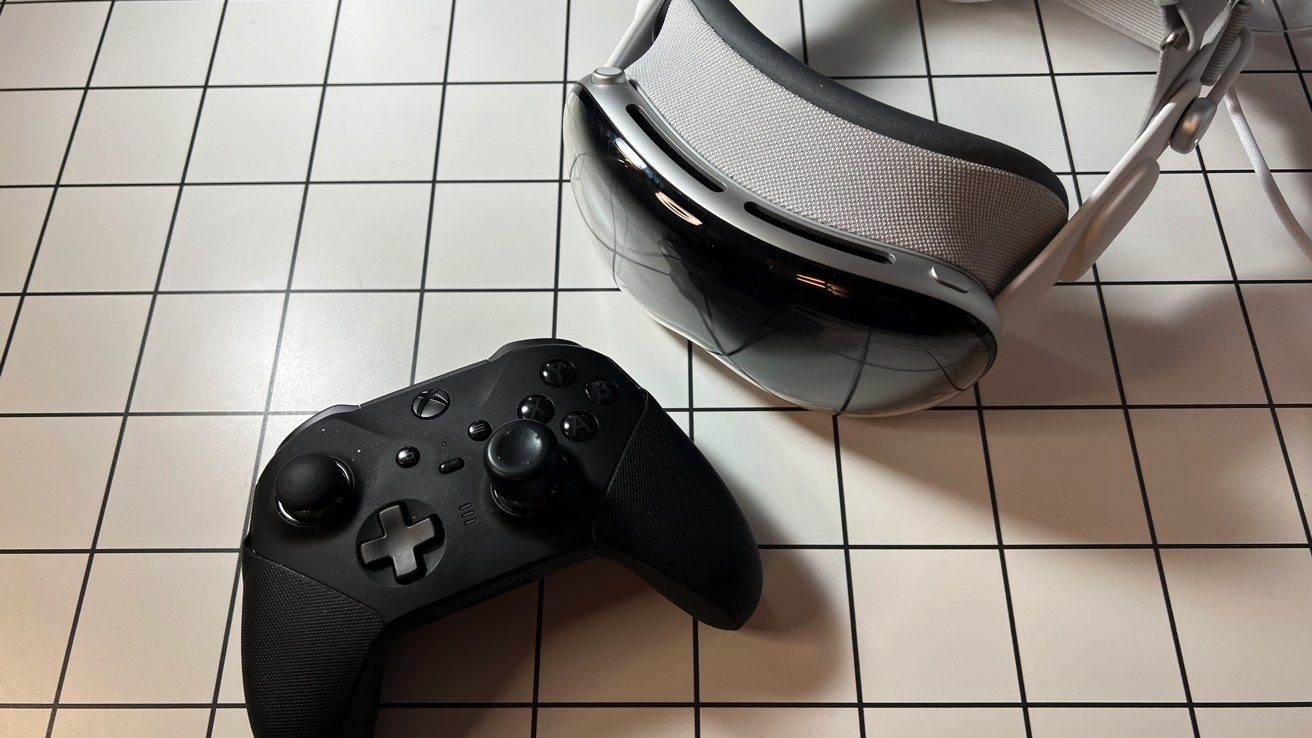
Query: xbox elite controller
371,520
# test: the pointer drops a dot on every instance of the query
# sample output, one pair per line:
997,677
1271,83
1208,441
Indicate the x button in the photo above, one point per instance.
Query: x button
401,545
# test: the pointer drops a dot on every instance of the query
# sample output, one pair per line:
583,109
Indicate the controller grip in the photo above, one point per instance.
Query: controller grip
668,516
310,656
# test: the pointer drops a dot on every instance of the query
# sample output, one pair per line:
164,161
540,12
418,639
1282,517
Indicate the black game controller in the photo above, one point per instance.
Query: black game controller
371,520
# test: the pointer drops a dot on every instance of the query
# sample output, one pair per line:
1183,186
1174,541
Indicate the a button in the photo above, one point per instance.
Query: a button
558,373
407,457
579,426
950,278
451,465
601,391
536,407
430,403
401,545
479,430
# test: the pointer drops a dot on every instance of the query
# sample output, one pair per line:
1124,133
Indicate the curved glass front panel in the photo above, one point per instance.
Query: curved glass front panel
816,336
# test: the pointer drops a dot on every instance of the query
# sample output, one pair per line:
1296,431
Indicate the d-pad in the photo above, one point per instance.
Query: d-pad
402,544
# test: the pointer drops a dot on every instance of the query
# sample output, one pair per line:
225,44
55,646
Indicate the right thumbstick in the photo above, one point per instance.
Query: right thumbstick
523,462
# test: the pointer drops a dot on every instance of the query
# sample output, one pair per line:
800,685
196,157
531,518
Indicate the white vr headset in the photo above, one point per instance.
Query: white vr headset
838,252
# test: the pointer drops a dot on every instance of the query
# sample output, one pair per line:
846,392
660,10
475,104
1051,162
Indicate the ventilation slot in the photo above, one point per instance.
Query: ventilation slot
811,234
640,118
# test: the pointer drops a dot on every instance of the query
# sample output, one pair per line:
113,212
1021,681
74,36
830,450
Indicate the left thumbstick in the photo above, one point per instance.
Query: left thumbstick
310,487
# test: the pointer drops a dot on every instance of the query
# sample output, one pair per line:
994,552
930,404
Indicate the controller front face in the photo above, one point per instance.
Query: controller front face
369,521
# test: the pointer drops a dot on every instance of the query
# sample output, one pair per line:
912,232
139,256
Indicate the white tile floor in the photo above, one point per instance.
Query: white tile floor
1109,539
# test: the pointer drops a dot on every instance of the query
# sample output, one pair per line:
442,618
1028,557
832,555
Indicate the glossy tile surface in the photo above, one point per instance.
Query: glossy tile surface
220,216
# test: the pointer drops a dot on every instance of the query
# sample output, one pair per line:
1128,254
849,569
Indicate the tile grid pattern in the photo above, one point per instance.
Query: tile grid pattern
10,337
1120,388
282,325
982,409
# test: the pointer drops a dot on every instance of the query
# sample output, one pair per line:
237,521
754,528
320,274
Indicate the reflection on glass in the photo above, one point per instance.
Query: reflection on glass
813,335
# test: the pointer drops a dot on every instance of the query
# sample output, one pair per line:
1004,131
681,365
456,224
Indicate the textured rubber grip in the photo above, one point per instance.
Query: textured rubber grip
310,656
669,517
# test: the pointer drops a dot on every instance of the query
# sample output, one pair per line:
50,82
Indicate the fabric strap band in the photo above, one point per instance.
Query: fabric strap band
1191,42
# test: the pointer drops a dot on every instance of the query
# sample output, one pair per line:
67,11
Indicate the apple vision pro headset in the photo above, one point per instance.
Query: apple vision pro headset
840,253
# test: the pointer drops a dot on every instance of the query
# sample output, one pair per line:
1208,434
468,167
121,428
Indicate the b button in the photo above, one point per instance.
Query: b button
601,391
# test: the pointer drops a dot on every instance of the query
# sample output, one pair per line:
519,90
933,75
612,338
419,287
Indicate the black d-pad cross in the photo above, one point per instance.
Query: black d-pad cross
401,544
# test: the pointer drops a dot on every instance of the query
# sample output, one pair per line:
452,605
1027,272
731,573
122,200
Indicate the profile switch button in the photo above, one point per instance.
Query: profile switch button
402,544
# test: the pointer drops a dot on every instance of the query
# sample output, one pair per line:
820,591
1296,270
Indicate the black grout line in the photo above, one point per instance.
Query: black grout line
692,405
1002,563
696,632
1257,354
319,182
1147,505
1120,388
162,414
806,48
319,291
1191,282
527,180
696,680
1084,546
49,2
54,192
560,187
550,82
678,409
501,290
979,402
86,574
1194,546
1275,416
100,551
432,196
277,351
537,659
929,74
555,321
1092,705
847,566
1293,52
